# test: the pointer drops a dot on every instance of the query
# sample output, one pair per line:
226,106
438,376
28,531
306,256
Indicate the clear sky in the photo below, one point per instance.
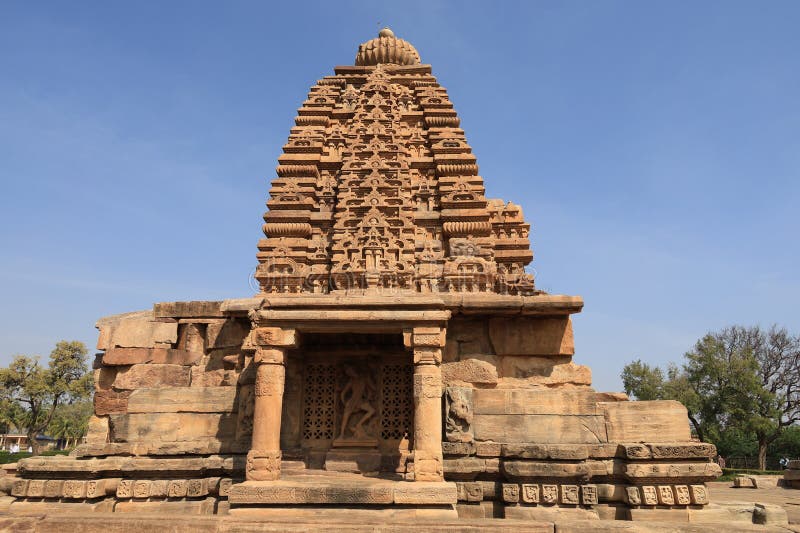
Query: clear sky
654,147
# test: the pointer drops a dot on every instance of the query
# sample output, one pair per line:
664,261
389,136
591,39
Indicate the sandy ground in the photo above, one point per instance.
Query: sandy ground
789,499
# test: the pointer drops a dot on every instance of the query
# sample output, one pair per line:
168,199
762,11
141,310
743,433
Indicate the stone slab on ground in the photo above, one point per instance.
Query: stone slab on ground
757,481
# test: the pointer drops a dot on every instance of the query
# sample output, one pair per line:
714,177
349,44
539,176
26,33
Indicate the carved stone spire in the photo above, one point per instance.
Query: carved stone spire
377,188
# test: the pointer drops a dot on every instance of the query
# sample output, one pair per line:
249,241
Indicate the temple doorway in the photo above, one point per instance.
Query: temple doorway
355,407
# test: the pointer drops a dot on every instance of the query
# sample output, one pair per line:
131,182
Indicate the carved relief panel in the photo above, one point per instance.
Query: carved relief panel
352,403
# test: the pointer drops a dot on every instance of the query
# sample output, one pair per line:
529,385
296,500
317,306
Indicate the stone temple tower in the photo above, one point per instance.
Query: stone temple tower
397,359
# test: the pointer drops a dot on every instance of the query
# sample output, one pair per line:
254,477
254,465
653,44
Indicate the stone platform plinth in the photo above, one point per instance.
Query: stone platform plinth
340,489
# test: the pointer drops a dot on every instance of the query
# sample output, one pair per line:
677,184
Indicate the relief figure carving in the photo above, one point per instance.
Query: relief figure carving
458,425
358,398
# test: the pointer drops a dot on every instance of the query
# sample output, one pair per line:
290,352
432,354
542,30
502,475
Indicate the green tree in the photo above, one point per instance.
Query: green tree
643,381
31,393
71,421
740,378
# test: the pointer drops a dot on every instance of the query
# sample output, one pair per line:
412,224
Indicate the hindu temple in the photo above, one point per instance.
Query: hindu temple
397,361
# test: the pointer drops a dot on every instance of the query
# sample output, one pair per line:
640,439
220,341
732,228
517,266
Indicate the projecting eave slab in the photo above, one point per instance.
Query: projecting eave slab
508,305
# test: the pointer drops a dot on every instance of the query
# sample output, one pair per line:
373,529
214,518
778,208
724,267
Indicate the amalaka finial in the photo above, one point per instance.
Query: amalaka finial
386,48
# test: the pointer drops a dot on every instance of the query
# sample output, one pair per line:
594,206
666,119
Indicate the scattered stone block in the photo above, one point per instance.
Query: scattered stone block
770,515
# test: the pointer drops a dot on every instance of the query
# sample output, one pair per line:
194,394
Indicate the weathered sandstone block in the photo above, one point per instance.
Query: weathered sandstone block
458,448
532,336
98,430
467,337
524,470
183,400
688,471
170,427
539,402
133,356
528,370
674,450
152,375
546,429
108,402
226,334
135,330
655,421
574,452
191,309
469,371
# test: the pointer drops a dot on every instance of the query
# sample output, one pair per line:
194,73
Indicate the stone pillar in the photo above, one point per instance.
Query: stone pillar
427,343
264,457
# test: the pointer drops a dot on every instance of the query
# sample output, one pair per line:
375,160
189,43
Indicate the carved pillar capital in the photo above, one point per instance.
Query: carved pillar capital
274,337
269,355
427,343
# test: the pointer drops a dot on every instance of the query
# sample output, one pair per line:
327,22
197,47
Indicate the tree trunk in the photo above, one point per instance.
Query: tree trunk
32,442
697,428
762,453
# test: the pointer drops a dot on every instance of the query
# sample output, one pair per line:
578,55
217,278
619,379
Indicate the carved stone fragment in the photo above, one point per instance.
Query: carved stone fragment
589,494
569,495
649,495
458,424
530,493
510,492
549,493
633,496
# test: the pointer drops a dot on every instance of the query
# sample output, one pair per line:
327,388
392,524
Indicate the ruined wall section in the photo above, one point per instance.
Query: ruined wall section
167,385
172,417
526,436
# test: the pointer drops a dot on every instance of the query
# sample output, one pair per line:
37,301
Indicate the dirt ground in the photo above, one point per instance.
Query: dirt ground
789,499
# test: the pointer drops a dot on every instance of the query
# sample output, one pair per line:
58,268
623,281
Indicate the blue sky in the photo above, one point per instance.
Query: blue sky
654,147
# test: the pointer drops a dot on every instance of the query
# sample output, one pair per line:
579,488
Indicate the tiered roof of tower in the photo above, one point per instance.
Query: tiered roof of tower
377,188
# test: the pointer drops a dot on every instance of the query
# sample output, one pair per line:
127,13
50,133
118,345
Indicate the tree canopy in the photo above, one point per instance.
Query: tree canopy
32,393
740,380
